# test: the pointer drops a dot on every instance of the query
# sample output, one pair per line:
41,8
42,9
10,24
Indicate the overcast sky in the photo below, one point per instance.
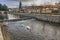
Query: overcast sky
15,3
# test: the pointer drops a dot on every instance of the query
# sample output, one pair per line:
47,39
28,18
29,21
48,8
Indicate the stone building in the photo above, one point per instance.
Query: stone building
13,9
42,9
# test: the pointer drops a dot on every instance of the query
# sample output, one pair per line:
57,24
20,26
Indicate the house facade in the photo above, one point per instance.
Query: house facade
41,9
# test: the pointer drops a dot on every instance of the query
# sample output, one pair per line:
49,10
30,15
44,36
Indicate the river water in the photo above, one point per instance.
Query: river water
10,16
32,29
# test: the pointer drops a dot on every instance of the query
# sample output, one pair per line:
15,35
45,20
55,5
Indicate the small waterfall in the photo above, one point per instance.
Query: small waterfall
10,16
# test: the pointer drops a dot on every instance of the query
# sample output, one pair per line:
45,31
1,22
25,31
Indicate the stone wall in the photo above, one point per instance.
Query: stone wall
51,18
45,17
1,35
3,32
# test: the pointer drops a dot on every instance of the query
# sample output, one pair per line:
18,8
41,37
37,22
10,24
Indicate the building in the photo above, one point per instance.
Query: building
13,9
42,9
32,9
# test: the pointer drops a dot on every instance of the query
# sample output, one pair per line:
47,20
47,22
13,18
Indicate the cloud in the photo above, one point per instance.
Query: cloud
15,3
21,0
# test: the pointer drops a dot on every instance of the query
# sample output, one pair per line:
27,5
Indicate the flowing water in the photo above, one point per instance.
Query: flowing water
10,16
32,29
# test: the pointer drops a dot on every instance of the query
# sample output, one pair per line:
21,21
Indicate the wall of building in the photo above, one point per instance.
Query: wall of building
42,8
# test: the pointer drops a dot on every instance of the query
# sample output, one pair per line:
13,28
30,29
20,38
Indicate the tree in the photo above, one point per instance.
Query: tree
3,7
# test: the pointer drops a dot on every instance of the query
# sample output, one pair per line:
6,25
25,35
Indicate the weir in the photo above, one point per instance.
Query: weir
45,17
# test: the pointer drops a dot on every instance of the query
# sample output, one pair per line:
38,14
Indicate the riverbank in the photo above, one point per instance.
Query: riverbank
3,32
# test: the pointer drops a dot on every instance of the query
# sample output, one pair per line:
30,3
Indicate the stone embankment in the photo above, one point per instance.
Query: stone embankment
3,32
44,17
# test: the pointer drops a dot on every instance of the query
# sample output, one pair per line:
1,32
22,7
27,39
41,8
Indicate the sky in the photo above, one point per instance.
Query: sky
15,3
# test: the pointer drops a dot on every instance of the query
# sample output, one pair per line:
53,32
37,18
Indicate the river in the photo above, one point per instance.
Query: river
32,29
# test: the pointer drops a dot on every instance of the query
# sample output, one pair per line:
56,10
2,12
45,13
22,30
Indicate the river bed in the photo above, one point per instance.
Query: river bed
32,29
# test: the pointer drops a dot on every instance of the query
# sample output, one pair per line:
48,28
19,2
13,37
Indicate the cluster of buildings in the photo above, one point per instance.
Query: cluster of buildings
39,9
43,8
